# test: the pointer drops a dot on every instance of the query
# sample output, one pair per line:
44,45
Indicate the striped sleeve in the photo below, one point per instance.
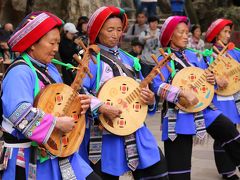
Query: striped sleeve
168,92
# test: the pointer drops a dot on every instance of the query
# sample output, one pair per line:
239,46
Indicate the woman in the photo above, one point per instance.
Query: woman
195,41
67,48
107,151
220,30
149,38
37,39
139,26
82,28
179,127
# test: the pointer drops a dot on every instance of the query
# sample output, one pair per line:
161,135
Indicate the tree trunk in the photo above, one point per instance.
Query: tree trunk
29,6
190,12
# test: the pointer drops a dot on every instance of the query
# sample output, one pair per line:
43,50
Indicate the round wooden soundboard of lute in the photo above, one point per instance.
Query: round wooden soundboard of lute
123,92
193,78
224,66
229,69
54,99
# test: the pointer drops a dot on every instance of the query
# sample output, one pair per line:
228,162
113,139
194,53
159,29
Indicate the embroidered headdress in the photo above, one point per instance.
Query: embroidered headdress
100,16
215,28
31,29
168,28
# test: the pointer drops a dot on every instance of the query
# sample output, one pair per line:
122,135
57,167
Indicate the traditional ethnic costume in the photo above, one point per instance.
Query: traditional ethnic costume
226,104
22,123
179,127
107,151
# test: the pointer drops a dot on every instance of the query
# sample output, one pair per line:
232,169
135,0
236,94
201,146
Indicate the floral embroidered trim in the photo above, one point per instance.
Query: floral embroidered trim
18,115
34,123
168,92
26,118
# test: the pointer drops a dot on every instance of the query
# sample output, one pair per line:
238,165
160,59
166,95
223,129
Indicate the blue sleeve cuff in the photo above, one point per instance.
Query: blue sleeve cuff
152,108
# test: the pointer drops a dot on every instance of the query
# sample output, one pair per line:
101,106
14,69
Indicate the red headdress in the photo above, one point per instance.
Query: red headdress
31,29
99,17
168,28
215,28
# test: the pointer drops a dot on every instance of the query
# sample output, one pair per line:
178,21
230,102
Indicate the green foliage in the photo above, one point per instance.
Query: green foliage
231,13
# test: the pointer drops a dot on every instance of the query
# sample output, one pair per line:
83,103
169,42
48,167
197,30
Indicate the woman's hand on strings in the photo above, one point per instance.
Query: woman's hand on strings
210,77
147,96
109,112
221,82
65,124
187,98
85,102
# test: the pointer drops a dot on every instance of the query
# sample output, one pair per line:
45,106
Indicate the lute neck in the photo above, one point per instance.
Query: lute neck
144,83
83,69
81,72
219,56
156,70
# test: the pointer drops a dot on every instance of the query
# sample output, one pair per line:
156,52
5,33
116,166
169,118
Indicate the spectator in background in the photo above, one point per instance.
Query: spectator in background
149,6
135,29
150,39
82,29
82,20
177,7
67,48
8,27
5,53
137,48
195,40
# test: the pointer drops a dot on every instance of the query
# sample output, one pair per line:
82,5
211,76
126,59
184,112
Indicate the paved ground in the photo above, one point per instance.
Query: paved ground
203,166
